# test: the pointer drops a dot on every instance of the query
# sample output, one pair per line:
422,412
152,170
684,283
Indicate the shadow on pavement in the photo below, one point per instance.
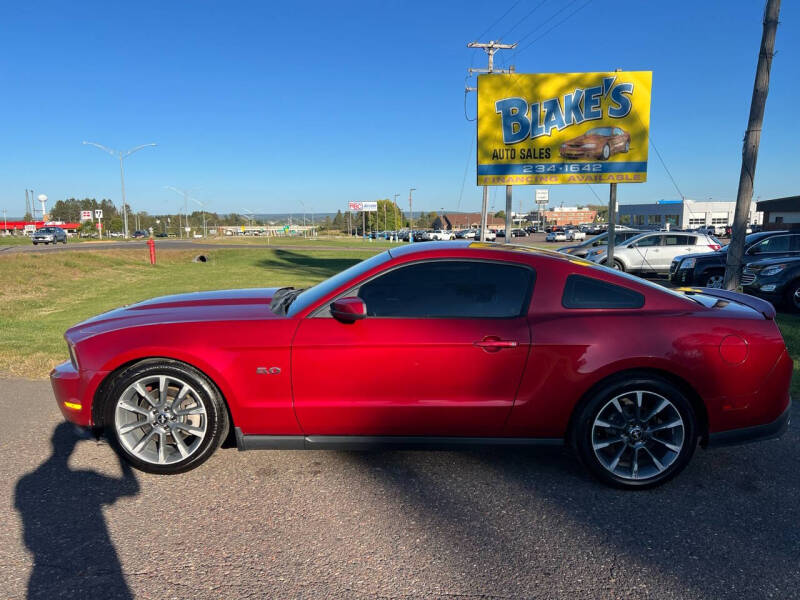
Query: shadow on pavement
64,528
727,527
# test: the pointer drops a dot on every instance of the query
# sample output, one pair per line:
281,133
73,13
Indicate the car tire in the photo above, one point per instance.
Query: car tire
606,152
618,265
178,439
627,146
714,280
35,243
635,432
793,296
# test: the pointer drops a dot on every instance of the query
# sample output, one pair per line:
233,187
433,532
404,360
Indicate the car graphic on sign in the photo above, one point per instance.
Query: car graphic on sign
598,143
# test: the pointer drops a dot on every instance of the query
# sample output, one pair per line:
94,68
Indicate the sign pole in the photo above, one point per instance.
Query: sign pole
507,239
612,220
484,209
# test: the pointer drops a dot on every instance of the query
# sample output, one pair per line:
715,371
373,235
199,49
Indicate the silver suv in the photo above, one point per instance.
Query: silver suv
653,252
49,235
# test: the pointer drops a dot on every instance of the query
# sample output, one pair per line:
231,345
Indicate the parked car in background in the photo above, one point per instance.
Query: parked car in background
708,270
750,229
581,250
575,235
776,280
466,234
166,379
439,235
49,235
654,252
519,232
139,234
556,236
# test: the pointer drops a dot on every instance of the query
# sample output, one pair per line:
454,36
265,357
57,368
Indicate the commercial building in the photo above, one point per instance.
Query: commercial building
452,220
780,213
28,227
682,214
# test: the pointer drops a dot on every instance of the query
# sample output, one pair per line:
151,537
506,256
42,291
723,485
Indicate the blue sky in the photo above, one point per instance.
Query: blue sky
262,105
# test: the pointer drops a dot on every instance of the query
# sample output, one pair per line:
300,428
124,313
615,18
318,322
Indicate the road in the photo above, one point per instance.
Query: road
311,524
178,244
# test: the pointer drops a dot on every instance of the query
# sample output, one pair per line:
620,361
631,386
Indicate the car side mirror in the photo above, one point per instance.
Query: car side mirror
349,310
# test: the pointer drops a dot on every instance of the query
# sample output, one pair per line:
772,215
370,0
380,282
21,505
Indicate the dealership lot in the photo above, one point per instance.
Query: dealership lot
488,524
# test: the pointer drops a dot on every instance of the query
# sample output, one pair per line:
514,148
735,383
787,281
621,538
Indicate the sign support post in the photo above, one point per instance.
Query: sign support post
507,239
612,221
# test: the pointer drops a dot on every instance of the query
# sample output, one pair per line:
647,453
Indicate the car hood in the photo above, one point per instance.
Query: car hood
220,305
716,255
768,262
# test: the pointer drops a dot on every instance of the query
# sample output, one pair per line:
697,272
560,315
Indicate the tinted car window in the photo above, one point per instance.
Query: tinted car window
795,243
653,240
679,240
778,243
449,289
586,292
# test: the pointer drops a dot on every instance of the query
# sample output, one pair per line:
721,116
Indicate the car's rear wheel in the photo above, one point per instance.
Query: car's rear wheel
793,296
635,433
714,280
627,146
164,416
618,265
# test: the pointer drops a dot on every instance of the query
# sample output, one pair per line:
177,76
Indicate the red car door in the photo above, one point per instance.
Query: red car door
441,352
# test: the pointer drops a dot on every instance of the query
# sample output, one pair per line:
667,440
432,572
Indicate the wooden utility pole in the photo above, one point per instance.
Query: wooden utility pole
490,50
752,137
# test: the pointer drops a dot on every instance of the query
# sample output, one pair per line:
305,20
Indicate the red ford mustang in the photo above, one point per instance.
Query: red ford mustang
436,345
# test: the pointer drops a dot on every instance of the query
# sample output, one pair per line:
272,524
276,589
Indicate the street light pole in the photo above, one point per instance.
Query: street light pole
410,217
122,156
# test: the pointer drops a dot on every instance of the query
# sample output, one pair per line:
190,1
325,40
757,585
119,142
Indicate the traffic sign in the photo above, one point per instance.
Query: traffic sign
98,213
542,196
86,215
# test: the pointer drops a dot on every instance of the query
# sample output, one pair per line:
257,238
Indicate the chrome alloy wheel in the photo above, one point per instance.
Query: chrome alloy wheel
715,281
638,435
160,419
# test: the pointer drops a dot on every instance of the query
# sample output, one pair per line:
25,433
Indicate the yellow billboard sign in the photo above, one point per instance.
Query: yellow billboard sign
552,128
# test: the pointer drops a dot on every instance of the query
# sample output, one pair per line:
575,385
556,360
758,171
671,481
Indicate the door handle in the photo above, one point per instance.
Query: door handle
495,344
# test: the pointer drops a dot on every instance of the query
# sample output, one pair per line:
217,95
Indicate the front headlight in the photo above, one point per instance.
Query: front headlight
773,270
688,263
73,356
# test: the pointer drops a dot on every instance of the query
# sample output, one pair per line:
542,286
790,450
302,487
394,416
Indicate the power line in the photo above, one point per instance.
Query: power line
503,16
519,22
564,20
466,168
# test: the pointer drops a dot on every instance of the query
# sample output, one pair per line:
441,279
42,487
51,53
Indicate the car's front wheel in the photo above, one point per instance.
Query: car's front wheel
606,152
714,280
164,416
635,432
793,296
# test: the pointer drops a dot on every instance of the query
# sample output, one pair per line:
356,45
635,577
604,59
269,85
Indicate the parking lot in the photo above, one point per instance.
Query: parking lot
312,524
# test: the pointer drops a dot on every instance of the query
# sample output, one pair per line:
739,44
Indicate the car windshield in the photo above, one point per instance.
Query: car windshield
314,294
600,131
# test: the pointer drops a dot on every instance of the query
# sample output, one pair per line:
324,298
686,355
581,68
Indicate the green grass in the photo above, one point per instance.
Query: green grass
43,294
790,328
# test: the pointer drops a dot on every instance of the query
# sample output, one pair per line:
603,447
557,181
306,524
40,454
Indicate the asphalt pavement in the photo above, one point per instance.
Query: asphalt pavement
312,524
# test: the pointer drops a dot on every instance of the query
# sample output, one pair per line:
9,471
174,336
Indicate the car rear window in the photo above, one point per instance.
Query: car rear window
587,292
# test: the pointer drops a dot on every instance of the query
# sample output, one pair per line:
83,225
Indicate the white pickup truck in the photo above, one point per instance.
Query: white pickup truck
440,234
